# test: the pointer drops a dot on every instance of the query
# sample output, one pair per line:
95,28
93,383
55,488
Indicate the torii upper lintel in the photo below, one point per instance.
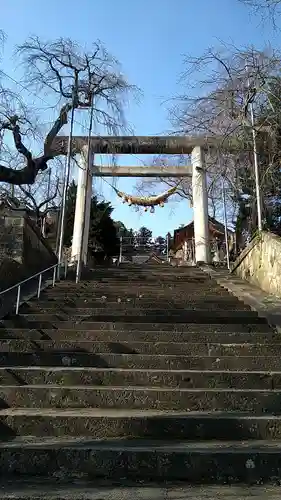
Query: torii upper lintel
136,144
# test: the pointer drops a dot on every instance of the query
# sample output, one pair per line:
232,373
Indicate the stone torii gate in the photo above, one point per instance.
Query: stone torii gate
194,146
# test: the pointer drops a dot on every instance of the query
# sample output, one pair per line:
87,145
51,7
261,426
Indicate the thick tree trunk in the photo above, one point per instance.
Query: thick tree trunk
26,175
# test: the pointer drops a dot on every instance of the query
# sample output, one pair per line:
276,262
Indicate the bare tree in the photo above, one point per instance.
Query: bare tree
63,70
219,88
236,79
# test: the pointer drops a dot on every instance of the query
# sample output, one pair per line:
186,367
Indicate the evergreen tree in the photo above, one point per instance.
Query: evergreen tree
102,233
160,244
143,237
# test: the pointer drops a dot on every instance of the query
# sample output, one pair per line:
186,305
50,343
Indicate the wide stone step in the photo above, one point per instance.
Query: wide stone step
130,286
165,295
128,424
17,324
142,285
183,281
120,304
136,377
140,347
107,315
144,278
109,298
205,462
154,270
231,400
141,361
162,292
123,303
176,296
50,489
122,335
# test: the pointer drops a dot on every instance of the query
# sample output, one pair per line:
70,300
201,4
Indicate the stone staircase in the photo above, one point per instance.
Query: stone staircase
140,374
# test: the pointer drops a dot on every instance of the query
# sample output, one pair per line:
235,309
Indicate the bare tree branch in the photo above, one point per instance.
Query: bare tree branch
266,8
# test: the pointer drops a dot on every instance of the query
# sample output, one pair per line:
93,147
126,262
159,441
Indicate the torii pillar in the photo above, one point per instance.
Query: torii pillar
82,209
200,206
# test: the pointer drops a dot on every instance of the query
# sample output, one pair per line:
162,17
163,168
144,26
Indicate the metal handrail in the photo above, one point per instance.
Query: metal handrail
55,267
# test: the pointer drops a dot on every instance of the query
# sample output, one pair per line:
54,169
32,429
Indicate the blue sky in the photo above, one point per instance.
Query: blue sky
149,37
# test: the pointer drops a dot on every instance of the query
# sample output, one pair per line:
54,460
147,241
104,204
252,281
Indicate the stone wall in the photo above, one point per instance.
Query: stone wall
260,263
36,253
23,251
11,235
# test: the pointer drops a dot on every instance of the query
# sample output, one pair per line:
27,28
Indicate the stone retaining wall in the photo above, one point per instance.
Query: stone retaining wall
260,263
23,250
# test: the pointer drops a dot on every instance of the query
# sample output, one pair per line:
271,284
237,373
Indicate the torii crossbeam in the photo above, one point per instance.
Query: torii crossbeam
142,145
143,171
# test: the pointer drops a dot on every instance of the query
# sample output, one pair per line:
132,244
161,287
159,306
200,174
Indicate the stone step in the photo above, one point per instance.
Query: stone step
156,285
103,306
133,335
141,361
142,282
122,303
158,288
181,296
142,271
164,293
48,489
143,278
107,315
140,347
52,396
87,324
211,462
16,322
161,291
135,377
146,424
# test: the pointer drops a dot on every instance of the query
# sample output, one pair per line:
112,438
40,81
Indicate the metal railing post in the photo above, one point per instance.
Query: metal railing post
120,250
18,301
39,285
18,286
54,276
65,269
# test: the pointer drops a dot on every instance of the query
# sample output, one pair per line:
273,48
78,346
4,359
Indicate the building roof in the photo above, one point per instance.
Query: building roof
146,259
217,226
